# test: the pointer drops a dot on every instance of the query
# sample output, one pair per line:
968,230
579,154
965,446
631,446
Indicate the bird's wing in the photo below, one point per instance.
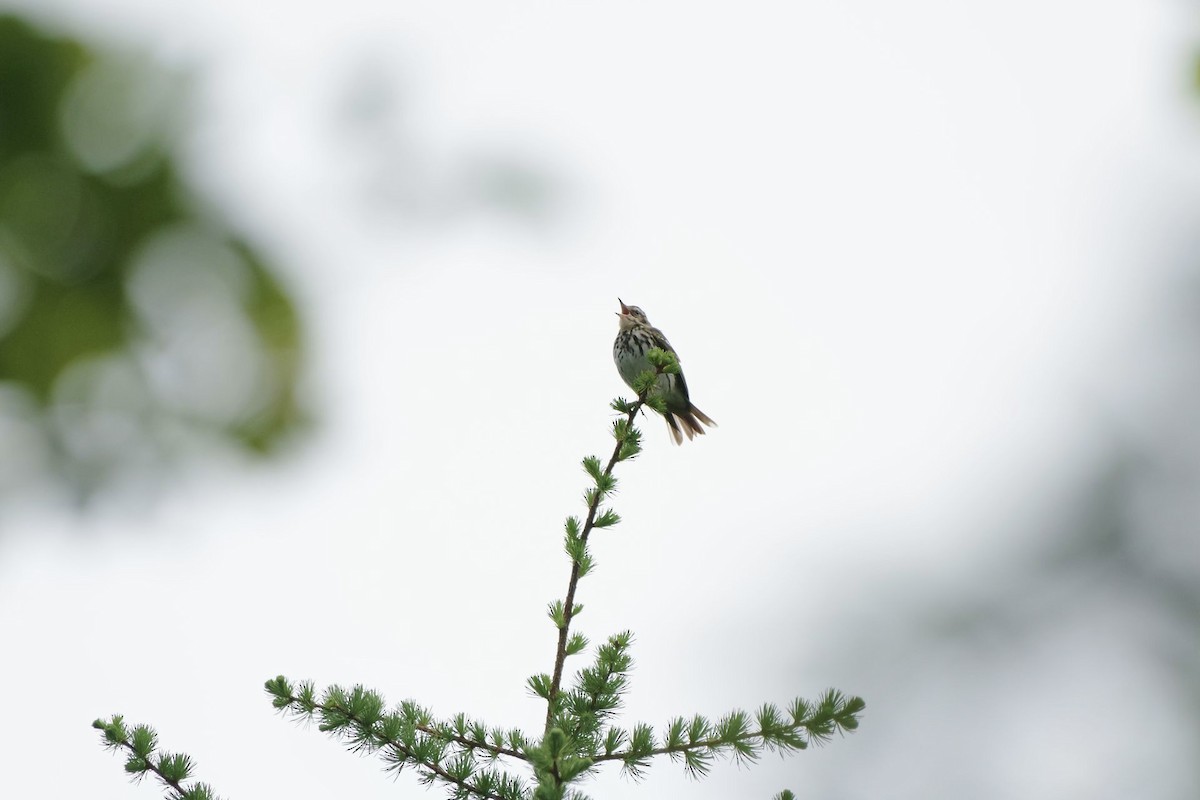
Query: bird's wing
661,342
676,380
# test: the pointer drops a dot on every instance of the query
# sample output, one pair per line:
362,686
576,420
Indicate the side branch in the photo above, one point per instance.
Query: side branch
406,737
171,769
697,741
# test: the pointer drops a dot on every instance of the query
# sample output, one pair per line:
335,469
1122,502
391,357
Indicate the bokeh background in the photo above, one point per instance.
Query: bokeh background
305,322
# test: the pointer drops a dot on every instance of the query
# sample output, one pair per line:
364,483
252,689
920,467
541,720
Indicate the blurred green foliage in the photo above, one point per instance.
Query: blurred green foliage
134,327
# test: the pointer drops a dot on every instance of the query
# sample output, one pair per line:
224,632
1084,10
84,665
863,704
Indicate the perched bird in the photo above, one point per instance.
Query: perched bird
634,338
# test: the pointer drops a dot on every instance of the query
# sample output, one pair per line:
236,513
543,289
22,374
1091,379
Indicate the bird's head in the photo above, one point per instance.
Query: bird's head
631,316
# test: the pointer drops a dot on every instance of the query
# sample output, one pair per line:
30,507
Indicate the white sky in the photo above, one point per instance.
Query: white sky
903,250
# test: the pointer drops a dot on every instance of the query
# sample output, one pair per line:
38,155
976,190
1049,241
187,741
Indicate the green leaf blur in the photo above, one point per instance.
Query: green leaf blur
134,325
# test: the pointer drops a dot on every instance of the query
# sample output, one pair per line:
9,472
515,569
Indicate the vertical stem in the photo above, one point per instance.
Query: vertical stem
560,656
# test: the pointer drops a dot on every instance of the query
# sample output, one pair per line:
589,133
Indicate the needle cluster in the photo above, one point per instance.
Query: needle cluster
140,743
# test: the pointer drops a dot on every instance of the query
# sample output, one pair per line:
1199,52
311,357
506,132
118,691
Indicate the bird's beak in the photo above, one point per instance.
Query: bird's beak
624,308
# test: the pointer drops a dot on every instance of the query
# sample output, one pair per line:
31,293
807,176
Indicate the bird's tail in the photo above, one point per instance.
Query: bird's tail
690,420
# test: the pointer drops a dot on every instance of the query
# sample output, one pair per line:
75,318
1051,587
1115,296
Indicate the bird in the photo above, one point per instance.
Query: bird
634,337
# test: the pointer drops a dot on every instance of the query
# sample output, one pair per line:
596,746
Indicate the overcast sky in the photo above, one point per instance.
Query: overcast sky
907,252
